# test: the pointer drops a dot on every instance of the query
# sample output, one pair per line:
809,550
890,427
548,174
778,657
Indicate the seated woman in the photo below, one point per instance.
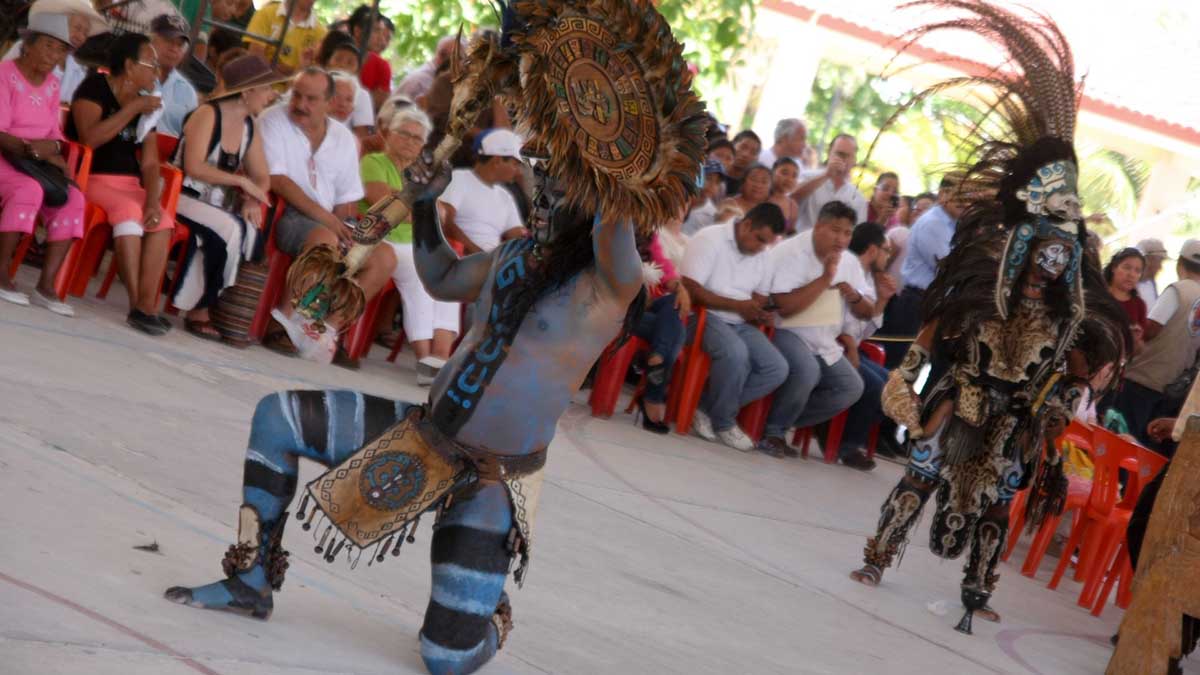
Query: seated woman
30,132
663,324
224,187
756,188
1122,274
339,53
431,326
341,107
107,115
785,176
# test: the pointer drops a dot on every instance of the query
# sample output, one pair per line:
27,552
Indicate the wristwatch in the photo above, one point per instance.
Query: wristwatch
28,149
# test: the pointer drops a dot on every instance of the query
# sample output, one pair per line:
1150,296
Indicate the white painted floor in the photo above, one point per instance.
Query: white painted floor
653,554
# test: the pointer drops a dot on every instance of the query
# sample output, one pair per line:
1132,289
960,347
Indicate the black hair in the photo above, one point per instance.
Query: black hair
886,175
1189,265
124,47
741,135
335,41
836,210
784,160
719,143
924,195
766,214
362,15
865,236
1118,258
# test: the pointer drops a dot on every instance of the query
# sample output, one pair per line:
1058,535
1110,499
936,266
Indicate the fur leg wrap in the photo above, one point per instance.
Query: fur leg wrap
901,404
952,529
901,509
988,541
257,545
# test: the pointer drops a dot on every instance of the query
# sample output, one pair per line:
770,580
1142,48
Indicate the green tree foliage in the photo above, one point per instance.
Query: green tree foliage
712,31
1111,183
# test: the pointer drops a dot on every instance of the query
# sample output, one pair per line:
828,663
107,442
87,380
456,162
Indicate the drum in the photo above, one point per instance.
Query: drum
234,311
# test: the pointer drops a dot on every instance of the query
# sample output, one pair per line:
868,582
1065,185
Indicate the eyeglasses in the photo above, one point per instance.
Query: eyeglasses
405,136
152,66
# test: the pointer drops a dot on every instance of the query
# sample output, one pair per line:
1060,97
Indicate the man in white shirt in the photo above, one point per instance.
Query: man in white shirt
790,138
476,209
726,269
169,36
1155,254
818,188
313,162
872,249
813,280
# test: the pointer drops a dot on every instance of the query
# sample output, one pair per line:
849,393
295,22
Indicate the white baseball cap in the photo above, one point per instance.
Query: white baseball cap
500,143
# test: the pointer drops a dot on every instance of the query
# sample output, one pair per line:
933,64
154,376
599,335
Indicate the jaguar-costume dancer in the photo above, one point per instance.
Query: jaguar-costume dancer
620,136
1004,327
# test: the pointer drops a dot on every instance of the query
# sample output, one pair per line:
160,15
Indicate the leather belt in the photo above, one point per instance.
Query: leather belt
488,465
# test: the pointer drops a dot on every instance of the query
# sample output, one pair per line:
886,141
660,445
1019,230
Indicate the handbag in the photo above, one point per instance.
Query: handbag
53,181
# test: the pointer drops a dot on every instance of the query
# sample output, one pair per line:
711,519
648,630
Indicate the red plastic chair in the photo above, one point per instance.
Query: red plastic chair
687,382
610,376
1078,490
1113,561
79,168
357,341
1109,452
278,263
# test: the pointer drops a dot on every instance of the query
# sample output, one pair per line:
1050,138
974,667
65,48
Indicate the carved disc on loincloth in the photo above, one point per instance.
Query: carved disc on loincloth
602,97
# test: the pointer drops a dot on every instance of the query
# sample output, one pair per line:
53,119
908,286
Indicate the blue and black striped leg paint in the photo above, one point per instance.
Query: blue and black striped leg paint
470,559
324,426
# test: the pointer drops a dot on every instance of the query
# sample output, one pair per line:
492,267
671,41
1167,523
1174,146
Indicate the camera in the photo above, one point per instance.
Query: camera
895,201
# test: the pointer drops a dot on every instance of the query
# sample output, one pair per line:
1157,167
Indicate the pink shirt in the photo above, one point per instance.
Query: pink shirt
27,111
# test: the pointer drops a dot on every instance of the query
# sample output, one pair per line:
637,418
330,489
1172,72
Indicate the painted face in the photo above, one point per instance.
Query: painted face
1052,257
548,194
1054,191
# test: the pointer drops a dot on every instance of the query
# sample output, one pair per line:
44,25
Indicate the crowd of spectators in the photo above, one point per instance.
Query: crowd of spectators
794,266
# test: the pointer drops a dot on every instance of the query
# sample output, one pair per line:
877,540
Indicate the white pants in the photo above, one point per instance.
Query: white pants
422,314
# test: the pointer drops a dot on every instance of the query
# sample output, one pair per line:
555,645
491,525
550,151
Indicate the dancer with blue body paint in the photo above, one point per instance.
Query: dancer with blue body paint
625,151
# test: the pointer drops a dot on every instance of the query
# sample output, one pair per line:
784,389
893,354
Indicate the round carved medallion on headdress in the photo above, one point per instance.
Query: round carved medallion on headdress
601,96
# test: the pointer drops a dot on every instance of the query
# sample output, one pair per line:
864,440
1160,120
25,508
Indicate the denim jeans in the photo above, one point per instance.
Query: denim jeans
661,326
813,392
867,410
745,368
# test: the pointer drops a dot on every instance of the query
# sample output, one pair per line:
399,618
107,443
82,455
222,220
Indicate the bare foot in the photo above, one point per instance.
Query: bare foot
868,575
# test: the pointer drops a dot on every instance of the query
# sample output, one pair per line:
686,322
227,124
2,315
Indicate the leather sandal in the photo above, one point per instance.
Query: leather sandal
205,330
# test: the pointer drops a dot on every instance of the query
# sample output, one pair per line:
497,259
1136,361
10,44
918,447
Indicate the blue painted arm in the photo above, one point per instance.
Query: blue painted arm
618,264
446,276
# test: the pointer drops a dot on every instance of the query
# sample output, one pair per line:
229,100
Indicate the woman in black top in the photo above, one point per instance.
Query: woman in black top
107,114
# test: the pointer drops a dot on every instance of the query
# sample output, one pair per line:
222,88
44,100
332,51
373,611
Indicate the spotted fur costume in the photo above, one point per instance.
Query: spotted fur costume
1016,321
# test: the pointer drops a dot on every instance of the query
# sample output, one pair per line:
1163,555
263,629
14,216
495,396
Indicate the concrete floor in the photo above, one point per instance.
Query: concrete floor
654,554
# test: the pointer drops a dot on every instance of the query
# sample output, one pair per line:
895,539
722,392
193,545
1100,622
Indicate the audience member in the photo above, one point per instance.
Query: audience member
755,188
813,282
31,137
746,148
871,247
476,210
727,270
904,211
225,186
345,90
921,203
314,170
430,326
928,242
784,178
84,22
376,73
1170,354
884,206
170,41
897,237
721,150
704,204
106,115
791,135
818,188
1155,254
1122,273
662,324
417,83
338,53
304,33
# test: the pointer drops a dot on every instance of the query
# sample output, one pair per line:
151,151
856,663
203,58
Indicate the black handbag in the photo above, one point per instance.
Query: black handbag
53,181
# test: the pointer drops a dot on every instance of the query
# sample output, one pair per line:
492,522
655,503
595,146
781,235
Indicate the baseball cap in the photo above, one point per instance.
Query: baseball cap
713,167
1190,251
170,26
500,143
1153,247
